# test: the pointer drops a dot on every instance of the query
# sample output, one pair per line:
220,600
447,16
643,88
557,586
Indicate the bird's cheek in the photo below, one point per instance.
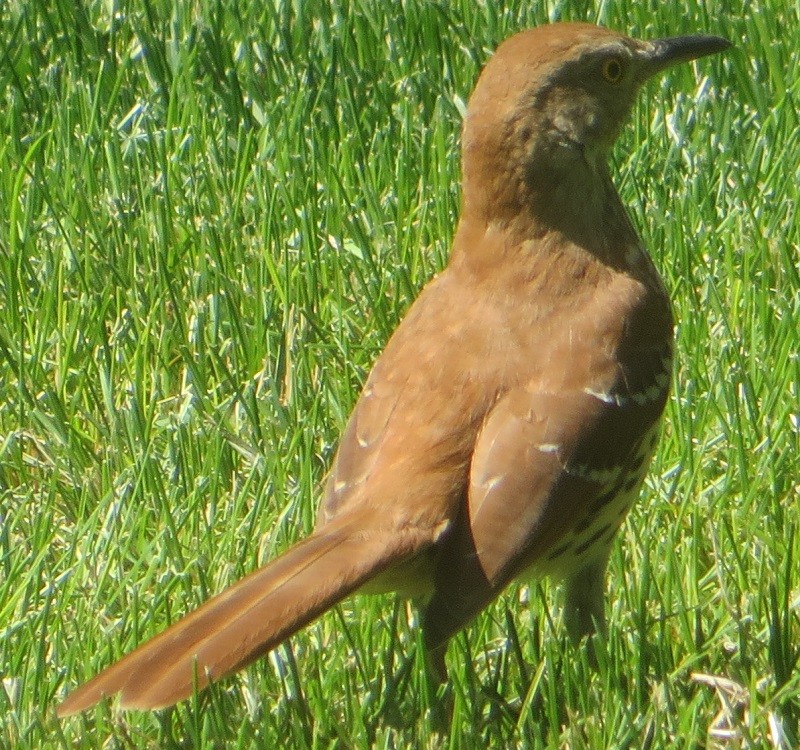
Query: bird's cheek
580,122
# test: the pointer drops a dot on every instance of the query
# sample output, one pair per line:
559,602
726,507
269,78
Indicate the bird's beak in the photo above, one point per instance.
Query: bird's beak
664,53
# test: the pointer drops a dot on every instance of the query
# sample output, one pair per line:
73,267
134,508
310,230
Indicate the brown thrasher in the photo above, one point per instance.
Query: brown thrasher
507,426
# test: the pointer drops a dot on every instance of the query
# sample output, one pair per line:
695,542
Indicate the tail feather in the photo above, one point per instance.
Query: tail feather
250,618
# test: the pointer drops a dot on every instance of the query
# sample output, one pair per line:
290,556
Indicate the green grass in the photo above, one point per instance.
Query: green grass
212,217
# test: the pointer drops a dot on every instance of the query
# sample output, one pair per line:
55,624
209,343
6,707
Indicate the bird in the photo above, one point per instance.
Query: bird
506,428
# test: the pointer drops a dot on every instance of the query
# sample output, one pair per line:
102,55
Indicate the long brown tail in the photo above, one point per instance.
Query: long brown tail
251,617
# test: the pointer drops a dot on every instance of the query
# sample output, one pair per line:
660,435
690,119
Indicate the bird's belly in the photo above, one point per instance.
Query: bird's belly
410,579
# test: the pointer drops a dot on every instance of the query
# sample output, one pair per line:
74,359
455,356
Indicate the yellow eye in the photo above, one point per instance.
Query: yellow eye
612,69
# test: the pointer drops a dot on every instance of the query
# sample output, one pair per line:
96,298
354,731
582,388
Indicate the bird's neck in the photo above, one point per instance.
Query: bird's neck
558,193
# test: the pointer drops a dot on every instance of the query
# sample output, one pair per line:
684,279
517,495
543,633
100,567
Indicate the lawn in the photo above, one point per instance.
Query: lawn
212,217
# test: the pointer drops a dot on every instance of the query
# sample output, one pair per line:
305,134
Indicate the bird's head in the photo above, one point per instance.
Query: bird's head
551,101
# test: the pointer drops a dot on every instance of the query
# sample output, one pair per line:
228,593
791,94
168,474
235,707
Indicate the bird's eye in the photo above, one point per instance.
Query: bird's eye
612,69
